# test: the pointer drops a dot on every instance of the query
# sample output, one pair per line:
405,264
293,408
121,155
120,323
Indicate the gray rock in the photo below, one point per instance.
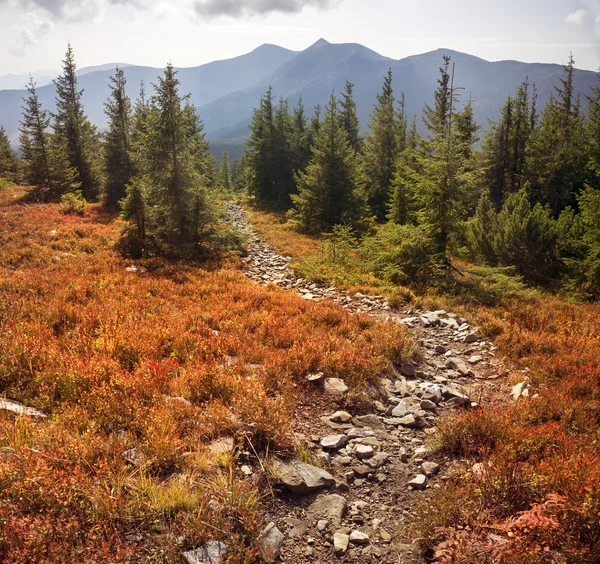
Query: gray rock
475,359
378,460
329,507
518,389
471,338
440,349
324,458
135,456
334,442
224,445
428,405
342,461
400,410
363,452
408,370
369,420
213,552
419,482
340,542
20,409
317,378
303,479
322,524
358,537
457,364
430,468
335,386
270,543
357,433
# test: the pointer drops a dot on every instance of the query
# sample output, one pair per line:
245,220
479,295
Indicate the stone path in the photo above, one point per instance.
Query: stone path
374,467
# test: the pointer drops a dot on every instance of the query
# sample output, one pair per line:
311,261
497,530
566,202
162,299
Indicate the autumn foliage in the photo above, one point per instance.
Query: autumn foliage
161,357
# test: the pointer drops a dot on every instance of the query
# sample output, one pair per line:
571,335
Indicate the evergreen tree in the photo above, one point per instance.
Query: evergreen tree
557,160
592,130
80,136
349,118
44,158
119,166
175,206
402,121
300,139
224,176
445,180
381,149
330,191
8,158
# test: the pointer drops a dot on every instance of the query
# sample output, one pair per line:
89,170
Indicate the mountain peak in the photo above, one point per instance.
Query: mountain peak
322,42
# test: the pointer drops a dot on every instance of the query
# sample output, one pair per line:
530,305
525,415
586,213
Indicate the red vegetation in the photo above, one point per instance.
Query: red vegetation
110,355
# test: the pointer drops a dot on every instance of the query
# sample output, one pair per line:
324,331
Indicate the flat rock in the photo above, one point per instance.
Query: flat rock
303,479
400,410
213,552
419,482
378,460
224,445
475,359
471,338
358,537
363,452
329,507
430,468
334,442
270,543
20,409
440,349
335,386
408,370
457,364
340,542
371,420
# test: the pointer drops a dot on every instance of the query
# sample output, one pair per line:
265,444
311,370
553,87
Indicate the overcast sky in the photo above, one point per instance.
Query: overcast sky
34,33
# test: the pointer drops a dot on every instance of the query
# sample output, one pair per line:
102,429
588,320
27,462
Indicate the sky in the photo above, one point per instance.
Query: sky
34,33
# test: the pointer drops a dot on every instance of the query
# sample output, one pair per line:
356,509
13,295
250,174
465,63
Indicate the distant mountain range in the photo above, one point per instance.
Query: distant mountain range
225,92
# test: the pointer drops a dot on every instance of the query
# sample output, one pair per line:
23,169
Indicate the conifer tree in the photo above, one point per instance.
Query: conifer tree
44,158
592,130
167,200
349,117
8,158
119,166
557,160
300,138
224,176
444,180
79,135
330,191
381,149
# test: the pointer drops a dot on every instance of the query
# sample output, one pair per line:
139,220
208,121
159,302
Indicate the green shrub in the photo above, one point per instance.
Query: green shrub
73,203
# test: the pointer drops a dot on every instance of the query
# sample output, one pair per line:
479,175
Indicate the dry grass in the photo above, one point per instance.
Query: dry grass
103,351
538,490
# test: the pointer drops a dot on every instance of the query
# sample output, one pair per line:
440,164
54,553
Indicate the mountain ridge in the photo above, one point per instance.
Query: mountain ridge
226,91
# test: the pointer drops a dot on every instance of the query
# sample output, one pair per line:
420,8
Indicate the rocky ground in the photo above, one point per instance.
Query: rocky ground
368,471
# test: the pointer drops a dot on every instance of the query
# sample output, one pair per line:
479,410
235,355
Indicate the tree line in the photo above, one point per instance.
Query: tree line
525,195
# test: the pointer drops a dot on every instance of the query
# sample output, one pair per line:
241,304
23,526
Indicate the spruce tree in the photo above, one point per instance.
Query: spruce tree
381,149
592,129
330,191
444,181
44,158
8,158
175,203
349,117
119,166
79,135
300,138
224,176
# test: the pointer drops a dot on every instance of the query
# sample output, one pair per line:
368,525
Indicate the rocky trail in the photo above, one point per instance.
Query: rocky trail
370,470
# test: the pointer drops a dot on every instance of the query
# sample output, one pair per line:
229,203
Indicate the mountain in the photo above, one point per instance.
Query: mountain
205,83
314,72
225,92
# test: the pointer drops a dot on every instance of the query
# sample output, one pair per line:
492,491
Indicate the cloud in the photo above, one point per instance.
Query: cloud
238,8
577,18
33,29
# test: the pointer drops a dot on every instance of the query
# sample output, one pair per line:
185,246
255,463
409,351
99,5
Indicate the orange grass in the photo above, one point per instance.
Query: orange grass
104,351
539,487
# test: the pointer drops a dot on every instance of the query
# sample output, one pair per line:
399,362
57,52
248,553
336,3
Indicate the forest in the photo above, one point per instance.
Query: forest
520,195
